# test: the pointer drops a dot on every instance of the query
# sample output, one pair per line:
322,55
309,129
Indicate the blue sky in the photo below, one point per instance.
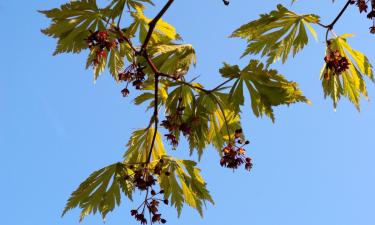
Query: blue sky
313,166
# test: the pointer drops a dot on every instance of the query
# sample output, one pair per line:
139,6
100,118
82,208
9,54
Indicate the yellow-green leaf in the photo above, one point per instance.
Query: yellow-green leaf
350,83
276,34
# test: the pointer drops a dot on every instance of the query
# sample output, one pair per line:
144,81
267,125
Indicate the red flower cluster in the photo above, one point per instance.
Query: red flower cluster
234,156
363,7
336,63
151,204
174,124
135,74
144,180
101,40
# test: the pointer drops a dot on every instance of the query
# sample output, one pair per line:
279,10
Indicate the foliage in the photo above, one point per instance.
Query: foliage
276,34
149,55
266,88
351,82
71,24
101,191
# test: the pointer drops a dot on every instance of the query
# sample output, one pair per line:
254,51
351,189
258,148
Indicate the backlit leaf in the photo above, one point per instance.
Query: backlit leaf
350,83
266,87
277,34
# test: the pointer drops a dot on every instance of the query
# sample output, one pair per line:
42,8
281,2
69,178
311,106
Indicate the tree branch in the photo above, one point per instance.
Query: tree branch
153,23
330,26
156,120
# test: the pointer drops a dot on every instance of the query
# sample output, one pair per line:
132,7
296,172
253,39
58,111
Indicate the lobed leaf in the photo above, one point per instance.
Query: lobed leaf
71,24
351,83
184,185
173,59
163,33
116,7
266,87
276,34
139,146
100,192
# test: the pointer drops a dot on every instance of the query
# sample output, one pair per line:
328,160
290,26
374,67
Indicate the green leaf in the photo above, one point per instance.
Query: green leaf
222,119
266,87
163,32
71,24
229,71
148,85
277,34
173,59
101,191
99,67
117,7
139,146
184,185
116,62
351,83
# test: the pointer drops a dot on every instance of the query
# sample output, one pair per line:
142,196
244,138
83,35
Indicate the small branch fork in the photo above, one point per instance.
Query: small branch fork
330,26
157,75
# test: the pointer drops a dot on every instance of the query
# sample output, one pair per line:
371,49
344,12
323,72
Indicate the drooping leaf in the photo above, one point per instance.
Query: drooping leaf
139,146
100,64
350,83
71,24
101,191
222,118
266,87
116,62
173,59
184,185
276,34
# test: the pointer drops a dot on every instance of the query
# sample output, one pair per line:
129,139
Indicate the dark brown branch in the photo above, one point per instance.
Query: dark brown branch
156,120
143,52
222,84
331,25
151,63
153,23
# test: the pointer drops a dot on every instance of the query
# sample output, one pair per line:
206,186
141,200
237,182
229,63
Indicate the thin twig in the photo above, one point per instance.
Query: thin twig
155,116
122,10
222,84
330,26
153,23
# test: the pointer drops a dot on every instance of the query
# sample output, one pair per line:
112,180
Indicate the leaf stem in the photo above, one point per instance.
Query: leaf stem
224,116
156,120
122,11
330,26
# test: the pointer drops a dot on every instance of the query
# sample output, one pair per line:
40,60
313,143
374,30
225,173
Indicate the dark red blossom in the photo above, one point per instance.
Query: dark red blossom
336,63
234,156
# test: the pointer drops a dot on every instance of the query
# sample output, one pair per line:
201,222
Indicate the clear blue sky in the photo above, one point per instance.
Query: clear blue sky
313,166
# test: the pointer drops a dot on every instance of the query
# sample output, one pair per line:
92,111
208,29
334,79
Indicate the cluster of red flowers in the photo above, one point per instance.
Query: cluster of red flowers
132,74
144,180
101,40
335,62
363,6
174,124
234,156
151,204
